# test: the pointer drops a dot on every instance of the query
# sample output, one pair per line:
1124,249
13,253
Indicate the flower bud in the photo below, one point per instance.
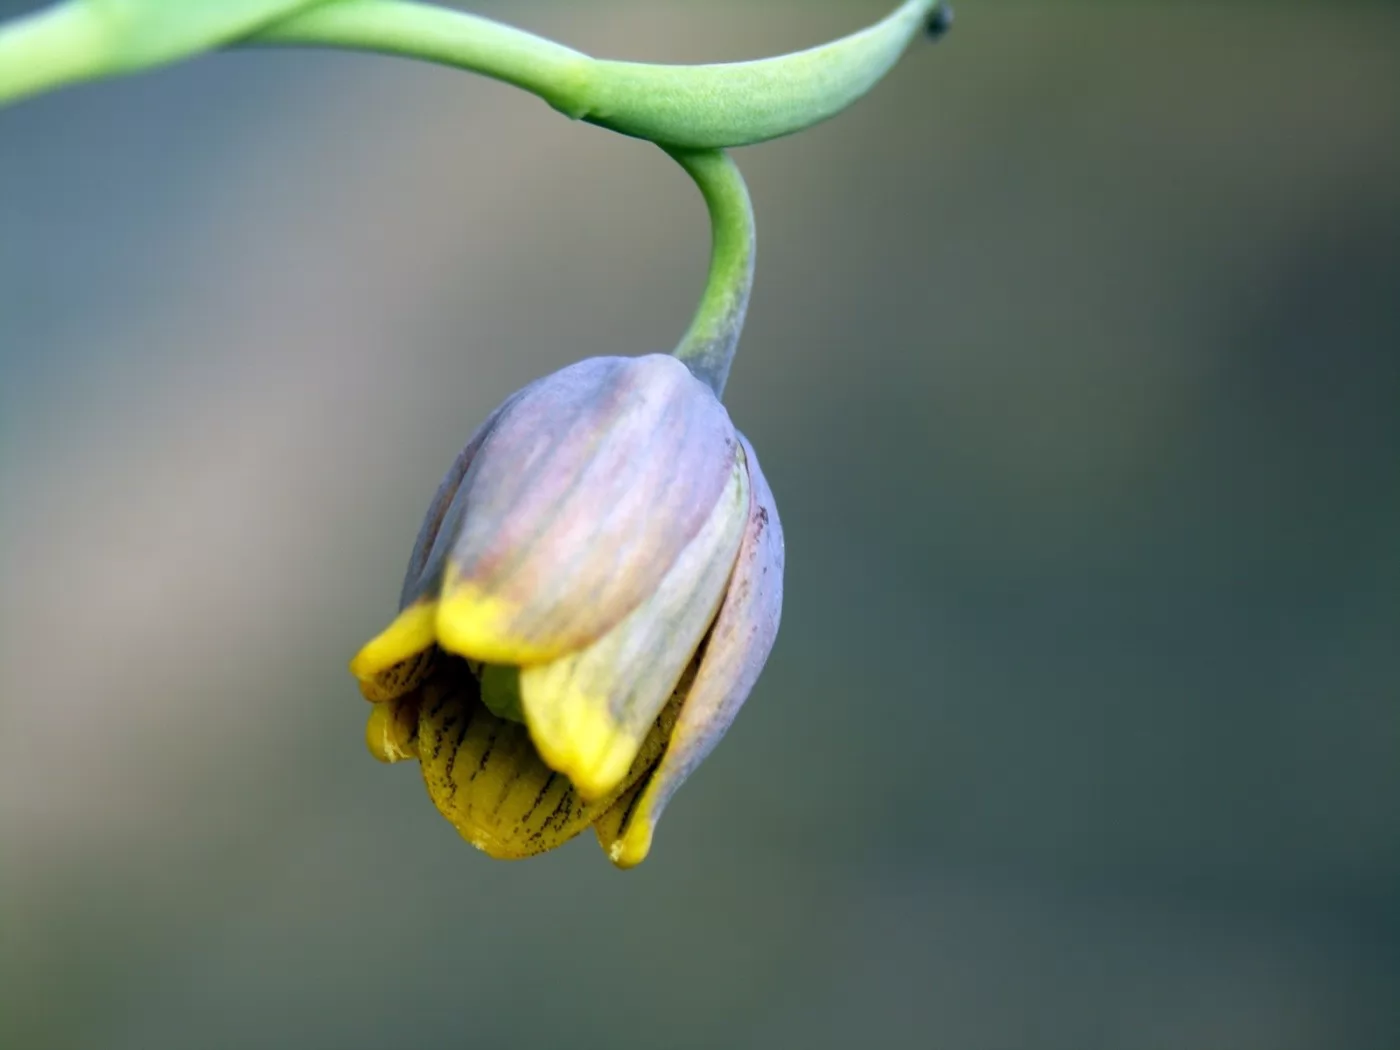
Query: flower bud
600,526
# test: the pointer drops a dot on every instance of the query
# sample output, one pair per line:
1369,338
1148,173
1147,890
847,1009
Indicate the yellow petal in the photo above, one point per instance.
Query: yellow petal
485,777
624,839
589,711
397,659
392,731
626,844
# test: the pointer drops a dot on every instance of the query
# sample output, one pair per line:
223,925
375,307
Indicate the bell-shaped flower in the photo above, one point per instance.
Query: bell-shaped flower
595,588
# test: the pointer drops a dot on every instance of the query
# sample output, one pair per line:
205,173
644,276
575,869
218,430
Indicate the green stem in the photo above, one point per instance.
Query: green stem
689,107
442,35
684,107
79,40
740,103
708,347
47,49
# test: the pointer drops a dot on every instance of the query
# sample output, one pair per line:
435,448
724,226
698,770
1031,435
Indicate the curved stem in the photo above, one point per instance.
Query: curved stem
439,34
686,107
66,43
47,49
708,347
740,103
689,107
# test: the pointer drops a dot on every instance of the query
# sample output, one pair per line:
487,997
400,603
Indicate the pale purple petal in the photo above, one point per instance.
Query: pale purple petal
426,563
583,495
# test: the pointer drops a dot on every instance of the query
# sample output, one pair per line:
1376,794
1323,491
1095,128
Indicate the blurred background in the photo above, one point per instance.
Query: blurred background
1074,361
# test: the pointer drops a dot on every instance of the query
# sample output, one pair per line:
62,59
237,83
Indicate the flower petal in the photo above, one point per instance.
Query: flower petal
400,657
735,653
392,730
445,512
397,659
579,501
589,711
485,777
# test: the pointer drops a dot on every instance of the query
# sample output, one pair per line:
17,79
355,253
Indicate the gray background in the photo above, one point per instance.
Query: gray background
1073,360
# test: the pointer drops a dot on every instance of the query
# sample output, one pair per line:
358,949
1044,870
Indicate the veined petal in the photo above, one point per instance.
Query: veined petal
581,498
733,656
485,777
589,711
397,659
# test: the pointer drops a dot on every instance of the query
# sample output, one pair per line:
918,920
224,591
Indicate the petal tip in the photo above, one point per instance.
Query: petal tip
634,845
579,740
625,830
410,633
389,738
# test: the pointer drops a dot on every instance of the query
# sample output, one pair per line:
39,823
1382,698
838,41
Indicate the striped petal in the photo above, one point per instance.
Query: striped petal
735,653
589,711
579,501
485,777
398,659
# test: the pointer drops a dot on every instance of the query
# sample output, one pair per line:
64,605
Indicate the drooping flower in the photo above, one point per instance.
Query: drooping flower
595,588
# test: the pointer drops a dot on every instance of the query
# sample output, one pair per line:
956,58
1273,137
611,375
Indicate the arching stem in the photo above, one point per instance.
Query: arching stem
686,107
692,107
708,348
432,33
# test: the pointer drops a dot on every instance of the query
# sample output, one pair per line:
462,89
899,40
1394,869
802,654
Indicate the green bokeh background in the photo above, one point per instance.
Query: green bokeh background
1074,362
